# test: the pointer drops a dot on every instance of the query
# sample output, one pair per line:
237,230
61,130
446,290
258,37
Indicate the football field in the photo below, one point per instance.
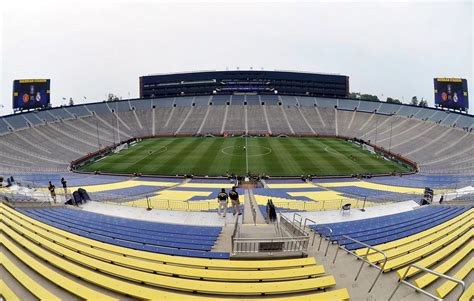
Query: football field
274,156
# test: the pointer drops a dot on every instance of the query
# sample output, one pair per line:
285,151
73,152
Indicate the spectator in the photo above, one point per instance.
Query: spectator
52,189
441,199
234,197
222,198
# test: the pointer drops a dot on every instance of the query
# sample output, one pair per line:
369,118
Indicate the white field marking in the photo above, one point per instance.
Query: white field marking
159,151
269,150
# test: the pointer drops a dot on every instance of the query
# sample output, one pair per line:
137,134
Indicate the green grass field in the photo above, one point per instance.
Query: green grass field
218,156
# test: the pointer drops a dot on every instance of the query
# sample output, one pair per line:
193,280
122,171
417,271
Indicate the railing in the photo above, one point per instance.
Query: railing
279,244
402,280
252,207
364,259
160,204
324,205
297,243
321,239
320,234
291,227
235,232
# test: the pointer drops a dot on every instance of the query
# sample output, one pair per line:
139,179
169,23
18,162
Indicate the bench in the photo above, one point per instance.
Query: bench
165,269
443,268
439,250
416,244
7,292
140,291
412,238
448,286
164,258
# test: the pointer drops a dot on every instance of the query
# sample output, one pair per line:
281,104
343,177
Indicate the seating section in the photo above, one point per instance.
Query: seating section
62,135
76,266
438,238
183,240
384,229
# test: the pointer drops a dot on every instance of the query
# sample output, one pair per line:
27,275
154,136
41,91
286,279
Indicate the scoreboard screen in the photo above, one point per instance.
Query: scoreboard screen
451,93
31,93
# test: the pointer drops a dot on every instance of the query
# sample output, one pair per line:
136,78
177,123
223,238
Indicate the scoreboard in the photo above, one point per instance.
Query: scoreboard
31,94
451,93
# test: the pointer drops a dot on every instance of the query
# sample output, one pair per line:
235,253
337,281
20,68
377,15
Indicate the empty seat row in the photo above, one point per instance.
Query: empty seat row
62,257
107,234
379,230
445,248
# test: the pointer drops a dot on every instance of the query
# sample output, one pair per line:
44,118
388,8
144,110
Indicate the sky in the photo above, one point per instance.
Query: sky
91,48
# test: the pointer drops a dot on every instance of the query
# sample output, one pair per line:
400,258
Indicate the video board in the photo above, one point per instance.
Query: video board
31,94
451,93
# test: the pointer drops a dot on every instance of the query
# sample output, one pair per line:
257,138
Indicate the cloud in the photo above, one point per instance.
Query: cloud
91,48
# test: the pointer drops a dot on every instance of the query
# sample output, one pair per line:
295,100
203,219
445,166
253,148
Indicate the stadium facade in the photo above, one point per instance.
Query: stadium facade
244,82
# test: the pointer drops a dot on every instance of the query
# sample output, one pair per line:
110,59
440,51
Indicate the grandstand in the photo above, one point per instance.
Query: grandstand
59,136
159,237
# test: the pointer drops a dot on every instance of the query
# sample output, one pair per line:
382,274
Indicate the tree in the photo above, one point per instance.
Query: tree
71,101
113,97
393,100
414,101
369,97
354,95
423,103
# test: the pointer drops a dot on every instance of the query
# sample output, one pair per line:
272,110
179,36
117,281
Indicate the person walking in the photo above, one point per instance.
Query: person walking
234,198
222,199
52,191
64,183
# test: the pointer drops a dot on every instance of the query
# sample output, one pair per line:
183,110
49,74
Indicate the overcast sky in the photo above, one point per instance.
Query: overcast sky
91,48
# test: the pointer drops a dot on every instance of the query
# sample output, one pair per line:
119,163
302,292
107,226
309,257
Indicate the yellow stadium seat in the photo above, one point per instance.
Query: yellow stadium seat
448,286
439,255
429,239
7,292
189,272
126,287
428,278
468,215
168,259
43,269
79,264
231,288
468,293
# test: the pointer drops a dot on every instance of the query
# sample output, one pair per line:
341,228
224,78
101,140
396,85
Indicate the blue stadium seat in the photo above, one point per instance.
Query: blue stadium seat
378,230
192,241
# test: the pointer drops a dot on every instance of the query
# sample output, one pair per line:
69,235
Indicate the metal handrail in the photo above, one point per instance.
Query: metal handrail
363,258
307,219
296,227
329,241
234,233
294,217
314,235
402,280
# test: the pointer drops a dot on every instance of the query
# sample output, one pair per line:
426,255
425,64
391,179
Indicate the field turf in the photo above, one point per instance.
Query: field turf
219,156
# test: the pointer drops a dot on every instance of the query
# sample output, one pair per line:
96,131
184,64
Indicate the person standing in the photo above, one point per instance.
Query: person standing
222,199
64,183
234,198
52,190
